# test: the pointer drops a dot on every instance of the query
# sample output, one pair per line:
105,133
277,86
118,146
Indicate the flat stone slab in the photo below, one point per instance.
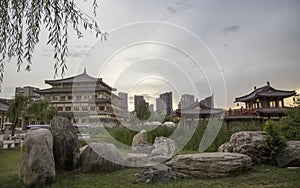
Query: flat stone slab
217,164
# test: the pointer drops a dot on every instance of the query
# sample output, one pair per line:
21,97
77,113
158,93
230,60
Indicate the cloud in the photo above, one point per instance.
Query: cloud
231,29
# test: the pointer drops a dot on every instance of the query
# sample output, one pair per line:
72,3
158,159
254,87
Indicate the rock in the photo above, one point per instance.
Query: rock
165,148
101,157
37,166
159,173
137,159
144,147
290,156
251,143
66,146
215,164
139,138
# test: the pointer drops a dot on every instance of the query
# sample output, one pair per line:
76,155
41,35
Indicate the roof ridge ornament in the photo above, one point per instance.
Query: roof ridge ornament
84,70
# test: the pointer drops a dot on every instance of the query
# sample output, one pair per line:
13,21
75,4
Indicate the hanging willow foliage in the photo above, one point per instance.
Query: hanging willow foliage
20,26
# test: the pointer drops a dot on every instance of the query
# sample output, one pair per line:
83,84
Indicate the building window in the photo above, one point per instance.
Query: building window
55,98
68,108
83,120
62,98
78,98
272,104
92,108
101,108
84,108
60,108
70,97
76,108
47,98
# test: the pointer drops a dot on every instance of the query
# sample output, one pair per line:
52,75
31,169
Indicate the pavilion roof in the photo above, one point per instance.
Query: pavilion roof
81,78
265,91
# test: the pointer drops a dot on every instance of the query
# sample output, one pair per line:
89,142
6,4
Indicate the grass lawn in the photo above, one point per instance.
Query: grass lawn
260,176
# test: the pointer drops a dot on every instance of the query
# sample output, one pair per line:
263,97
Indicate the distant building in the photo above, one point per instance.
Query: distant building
164,104
89,99
186,100
151,108
3,111
28,91
124,100
208,101
138,100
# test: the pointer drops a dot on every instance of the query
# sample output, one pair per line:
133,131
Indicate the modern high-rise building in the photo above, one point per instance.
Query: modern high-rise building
186,100
164,104
124,100
208,101
138,100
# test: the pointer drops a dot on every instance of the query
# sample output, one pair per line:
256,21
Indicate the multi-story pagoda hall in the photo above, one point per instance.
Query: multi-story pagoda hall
266,101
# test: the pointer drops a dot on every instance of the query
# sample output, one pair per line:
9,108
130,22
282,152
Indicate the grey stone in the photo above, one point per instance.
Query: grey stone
139,138
144,147
251,143
290,156
217,164
165,148
101,157
136,159
37,166
158,173
66,146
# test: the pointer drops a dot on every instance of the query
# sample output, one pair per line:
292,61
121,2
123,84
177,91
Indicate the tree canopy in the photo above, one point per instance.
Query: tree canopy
21,21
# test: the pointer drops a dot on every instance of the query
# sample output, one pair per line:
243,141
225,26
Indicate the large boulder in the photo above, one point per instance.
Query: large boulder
164,148
37,166
215,164
139,138
290,156
66,145
251,143
101,157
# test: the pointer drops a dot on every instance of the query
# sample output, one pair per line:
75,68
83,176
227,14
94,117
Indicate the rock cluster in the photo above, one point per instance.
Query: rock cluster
251,143
215,164
37,166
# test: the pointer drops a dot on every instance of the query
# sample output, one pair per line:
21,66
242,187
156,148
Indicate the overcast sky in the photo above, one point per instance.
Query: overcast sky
200,47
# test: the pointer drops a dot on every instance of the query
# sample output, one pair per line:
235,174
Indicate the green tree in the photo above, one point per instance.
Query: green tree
290,125
143,113
275,141
40,112
21,21
16,110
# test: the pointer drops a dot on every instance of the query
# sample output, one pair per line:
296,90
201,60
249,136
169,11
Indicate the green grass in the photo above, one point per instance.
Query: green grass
260,176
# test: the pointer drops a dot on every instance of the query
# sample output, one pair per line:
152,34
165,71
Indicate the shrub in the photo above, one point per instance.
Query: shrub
275,141
290,125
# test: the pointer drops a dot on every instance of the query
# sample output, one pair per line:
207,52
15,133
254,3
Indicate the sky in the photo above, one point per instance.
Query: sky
199,47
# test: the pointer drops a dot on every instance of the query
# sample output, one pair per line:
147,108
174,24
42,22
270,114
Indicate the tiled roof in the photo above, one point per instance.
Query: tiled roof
265,91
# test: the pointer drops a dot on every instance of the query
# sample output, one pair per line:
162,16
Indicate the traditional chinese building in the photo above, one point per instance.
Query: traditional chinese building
266,102
200,111
87,99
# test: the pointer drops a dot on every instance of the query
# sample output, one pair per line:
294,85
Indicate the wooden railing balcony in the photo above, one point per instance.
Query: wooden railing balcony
240,112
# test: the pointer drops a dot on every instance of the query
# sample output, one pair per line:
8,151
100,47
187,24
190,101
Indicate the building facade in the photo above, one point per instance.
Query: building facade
164,104
186,100
138,100
86,99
